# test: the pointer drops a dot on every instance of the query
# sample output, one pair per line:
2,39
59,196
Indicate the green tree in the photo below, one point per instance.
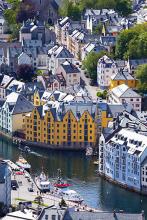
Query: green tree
70,9
90,63
130,43
98,28
141,75
103,94
123,7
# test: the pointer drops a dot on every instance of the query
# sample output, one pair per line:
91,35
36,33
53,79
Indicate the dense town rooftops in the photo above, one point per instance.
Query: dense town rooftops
60,52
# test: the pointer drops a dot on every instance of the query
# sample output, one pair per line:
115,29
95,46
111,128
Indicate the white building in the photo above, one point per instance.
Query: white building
121,156
124,94
5,184
106,67
58,55
70,73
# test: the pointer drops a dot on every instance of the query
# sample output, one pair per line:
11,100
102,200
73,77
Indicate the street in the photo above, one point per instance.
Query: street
92,90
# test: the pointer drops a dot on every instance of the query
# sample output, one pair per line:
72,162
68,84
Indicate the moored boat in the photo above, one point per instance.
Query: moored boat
43,183
60,183
25,149
70,195
22,163
89,151
96,162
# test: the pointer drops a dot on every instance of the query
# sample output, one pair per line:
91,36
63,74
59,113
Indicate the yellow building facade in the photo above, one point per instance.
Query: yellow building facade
68,130
131,83
105,119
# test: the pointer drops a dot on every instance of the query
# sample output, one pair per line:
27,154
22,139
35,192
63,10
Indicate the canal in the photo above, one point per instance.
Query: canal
81,173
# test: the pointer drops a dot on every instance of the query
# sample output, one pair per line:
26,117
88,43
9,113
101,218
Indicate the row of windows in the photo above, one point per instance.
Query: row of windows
57,137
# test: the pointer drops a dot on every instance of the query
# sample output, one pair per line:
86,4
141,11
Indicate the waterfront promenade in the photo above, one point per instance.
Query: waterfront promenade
49,199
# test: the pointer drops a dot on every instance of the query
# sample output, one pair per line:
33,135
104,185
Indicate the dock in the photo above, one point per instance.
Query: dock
22,193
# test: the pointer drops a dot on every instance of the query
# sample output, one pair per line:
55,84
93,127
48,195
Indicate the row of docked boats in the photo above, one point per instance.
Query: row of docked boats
58,187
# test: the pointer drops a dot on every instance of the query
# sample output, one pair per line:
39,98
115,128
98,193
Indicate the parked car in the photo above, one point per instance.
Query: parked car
30,189
29,180
13,187
92,82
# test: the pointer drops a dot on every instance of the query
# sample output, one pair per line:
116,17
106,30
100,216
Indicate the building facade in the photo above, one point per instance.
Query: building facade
106,67
124,94
12,113
121,156
70,73
5,184
66,128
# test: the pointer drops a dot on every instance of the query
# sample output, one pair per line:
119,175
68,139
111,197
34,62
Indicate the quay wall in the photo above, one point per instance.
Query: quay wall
131,189
18,140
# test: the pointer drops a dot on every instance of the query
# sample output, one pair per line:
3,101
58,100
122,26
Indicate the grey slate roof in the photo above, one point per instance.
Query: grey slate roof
69,67
73,215
22,105
122,75
108,40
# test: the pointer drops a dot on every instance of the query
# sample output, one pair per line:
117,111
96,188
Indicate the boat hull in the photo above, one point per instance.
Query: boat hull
64,185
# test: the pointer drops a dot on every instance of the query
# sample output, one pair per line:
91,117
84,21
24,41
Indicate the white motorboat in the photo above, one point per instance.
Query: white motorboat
21,162
43,183
70,195
89,151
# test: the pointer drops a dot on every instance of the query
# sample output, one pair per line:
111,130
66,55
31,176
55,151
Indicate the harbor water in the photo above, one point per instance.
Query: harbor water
81,173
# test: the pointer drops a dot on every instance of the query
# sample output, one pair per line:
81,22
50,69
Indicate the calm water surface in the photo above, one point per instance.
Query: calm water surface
81,173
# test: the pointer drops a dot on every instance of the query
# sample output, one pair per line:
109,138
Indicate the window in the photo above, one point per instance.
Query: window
131,100
53,217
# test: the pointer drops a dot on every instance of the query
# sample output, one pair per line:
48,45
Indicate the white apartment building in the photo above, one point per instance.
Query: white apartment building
106,67
121,157
5,184
124,94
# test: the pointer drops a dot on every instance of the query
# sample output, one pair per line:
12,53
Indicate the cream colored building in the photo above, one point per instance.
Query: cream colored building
70,72
13,111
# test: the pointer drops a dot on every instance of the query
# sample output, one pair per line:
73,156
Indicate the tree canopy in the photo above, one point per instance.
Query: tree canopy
20,11
25,72
141,75
132,43
75,10
90,63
